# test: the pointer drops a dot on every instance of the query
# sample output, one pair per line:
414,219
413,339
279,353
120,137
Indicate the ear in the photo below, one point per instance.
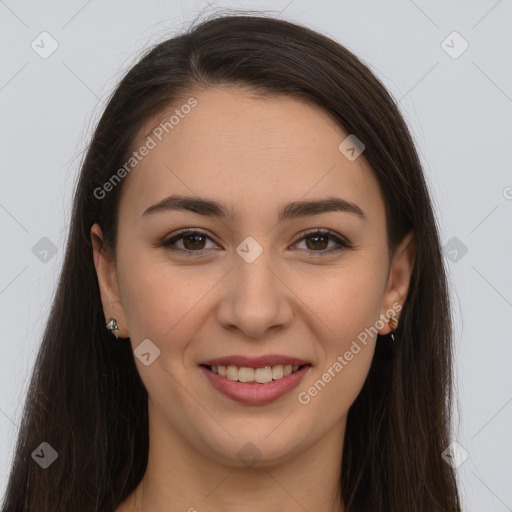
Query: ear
107,280
399,279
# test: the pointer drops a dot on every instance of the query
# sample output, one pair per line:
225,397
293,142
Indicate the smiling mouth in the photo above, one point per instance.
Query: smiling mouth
262,375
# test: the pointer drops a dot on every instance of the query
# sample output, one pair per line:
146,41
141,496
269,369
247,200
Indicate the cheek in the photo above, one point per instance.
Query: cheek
345,314
346,301
346,305
336,386
159,300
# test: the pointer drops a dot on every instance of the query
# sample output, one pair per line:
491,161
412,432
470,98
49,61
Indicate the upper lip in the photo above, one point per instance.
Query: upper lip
255,362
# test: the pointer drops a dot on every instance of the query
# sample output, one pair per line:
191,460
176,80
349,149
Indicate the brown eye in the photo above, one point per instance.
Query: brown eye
318,241
193,241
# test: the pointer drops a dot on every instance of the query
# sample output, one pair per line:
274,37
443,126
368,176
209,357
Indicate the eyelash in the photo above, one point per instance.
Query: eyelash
342,243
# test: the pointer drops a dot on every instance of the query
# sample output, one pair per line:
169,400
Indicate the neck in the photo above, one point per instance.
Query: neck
179,478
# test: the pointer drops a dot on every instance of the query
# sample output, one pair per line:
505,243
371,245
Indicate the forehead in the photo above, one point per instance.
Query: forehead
254,153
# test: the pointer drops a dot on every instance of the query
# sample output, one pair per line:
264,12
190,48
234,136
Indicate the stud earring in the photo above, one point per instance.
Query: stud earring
113,327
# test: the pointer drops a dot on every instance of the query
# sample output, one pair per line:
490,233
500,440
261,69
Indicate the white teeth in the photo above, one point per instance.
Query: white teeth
232,372
260,375
277,371
244,374
263,375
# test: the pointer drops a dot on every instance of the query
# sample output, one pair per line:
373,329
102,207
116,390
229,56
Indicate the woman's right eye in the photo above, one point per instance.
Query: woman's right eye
191,241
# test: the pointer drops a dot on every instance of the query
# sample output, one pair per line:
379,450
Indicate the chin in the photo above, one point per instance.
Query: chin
254,446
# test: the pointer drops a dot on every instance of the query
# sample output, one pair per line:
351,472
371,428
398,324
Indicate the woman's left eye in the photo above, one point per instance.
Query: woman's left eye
193,241
317,235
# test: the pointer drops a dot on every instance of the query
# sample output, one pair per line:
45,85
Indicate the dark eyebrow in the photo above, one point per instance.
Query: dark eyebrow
296,209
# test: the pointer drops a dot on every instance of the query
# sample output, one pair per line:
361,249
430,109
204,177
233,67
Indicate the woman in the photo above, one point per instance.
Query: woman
253,308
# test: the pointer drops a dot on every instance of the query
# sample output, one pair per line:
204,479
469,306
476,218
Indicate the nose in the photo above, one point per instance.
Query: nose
255,297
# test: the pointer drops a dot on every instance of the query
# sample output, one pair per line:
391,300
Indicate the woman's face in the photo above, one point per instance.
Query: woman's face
253,282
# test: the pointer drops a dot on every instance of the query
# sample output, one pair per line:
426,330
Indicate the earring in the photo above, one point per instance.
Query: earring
393,323
113,327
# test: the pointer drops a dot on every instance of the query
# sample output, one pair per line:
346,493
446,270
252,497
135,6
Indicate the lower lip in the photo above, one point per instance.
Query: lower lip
252,392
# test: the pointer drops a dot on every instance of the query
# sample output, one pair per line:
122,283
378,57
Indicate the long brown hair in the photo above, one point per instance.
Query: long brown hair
85,396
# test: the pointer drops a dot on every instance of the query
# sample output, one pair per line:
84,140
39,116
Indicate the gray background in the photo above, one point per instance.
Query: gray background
459,110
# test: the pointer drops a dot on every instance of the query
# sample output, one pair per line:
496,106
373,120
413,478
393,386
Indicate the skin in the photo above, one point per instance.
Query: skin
254,154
